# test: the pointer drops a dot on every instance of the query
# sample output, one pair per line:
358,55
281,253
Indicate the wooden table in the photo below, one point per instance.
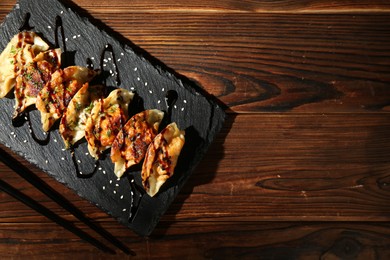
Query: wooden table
301,168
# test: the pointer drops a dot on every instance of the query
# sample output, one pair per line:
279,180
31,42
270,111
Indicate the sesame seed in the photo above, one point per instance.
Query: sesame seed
114,191
25,141
109,58
92,58
12,133
49,26
175,106
74,36
151,92
104,187
104,172
55,140
117,185
79,35
121,197
110,181
146,83
78,161
182,109
119,60
158,102
132,193
138,78
163,89
111,72
104,65
100,168
86,153
66,39
81,173
185,101
132,180
62,12
63,158
122,54
105,60
46,161
135,69
124,210
106,45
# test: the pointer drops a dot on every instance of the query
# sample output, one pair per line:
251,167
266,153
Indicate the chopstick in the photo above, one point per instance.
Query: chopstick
29,176
52,216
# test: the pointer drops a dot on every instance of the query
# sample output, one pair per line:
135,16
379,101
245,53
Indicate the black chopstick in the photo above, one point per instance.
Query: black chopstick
28,175
52,216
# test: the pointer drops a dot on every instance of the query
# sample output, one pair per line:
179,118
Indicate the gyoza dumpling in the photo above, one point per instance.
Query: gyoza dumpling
73,121
33,77
161,158
54,98
107,118
21,50
130,145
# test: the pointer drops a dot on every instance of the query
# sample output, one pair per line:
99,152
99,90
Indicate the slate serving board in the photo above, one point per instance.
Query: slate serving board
85,44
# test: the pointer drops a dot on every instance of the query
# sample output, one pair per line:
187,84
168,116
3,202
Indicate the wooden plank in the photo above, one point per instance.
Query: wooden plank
271,62
267,167
200,240
227,6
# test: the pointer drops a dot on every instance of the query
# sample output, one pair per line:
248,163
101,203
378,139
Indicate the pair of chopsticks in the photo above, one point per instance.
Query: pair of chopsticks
29,176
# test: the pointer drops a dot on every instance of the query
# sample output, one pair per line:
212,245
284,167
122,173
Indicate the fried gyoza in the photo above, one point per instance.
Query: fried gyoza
130,145
161,158
54,98
107,118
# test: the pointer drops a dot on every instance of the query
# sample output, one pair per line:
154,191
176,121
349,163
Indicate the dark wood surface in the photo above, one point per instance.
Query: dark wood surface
301,169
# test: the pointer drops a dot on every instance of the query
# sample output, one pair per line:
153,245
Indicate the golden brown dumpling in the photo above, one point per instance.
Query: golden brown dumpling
107,118
73,121
161,158
33,77
130,145
20,51
54,98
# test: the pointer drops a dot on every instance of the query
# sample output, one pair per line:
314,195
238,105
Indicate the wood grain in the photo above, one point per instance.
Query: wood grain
301,168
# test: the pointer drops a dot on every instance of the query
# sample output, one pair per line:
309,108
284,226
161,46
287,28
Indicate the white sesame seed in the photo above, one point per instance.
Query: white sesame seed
79,35
62,12
117,185
124,210
25,141
119,60
100,168
114,191
163,89
25,118
138,78
110,181
46,161
105,60
49,26
86,153
104,65
74,36
135,69
66,39
78,161
55,140
63,158
30,131
132,193
122,54
146,83
159,101
109,58
104,187
110,71
92,58
182,109
81,173
151,92
175,106
132,88
121,197
185,101
106,45
12,133
104,172
132,180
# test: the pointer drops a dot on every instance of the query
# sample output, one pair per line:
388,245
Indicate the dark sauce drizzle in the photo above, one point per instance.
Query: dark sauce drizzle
26,26
108,49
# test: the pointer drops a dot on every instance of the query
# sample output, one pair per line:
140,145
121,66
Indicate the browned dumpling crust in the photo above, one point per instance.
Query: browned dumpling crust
21,50
131,143
161,158
74,120
54,98
107,118
33,77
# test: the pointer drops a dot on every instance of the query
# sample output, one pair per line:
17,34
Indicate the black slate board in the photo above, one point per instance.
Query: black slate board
82,41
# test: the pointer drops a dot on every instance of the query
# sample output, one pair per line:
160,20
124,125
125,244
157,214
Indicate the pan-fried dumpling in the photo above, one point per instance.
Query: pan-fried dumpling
33,77
21,50
54,98
161,158
73,121
130,145
107,118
